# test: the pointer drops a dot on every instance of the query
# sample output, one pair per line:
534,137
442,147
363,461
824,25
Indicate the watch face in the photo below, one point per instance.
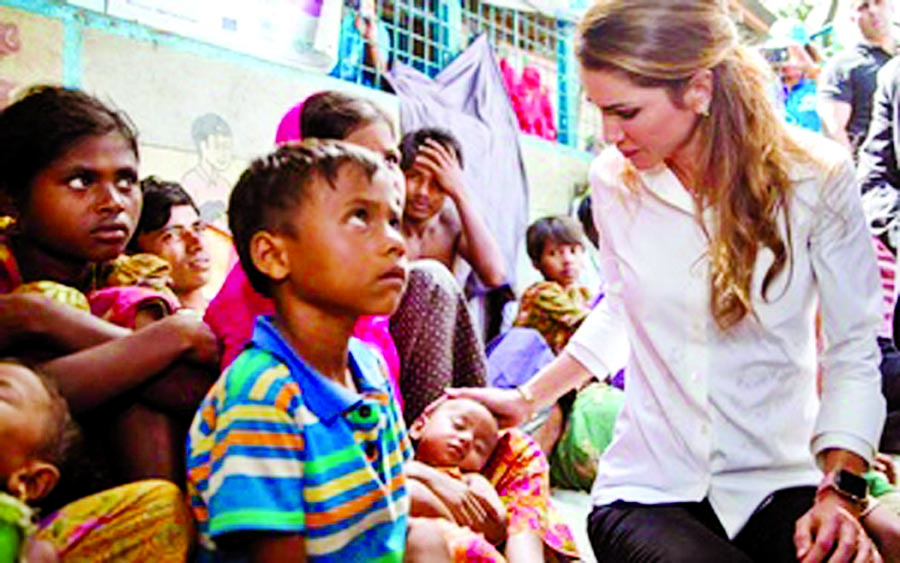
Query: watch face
851,484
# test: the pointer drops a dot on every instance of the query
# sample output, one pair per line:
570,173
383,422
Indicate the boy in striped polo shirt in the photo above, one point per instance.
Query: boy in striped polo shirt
297,452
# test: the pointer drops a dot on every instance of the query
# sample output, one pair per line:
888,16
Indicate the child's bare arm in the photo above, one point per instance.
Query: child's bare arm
483,488
477,244
28,316
94,375
265,547
424,502
467,504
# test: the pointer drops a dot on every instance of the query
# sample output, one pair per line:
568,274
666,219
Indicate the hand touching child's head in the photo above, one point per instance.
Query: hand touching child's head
36,431
459,433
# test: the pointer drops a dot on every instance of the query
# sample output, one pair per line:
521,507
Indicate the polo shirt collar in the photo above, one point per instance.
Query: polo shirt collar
323,397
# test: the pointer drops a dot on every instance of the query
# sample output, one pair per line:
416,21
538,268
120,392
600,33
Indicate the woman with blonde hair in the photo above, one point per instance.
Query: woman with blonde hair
722,233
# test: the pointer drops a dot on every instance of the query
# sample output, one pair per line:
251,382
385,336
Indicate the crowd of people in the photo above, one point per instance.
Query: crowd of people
333,401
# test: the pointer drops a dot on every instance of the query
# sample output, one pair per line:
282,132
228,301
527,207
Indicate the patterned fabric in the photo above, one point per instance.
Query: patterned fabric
553,311
277,447
589,430
56,291
466,546
435,338
143,521
520,474
232,312
120,305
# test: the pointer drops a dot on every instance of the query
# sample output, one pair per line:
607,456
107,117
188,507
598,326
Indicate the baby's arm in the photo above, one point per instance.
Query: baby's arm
425,502
485,490
470,506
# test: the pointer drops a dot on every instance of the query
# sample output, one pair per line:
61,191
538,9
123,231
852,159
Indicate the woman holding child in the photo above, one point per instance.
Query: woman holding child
722,232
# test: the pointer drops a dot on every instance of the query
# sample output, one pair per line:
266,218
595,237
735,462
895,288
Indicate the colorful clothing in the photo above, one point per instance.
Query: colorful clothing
553,311
436,339
276,447
118,305
800,105
466,546
233,311
589,430
143,521
520,474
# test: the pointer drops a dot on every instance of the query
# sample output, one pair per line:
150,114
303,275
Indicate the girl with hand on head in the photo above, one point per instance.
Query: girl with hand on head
722,232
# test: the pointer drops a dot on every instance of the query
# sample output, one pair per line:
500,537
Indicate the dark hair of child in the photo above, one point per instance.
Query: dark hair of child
335,115
560,229
207,125
42,125
586,217
160,196
273,186
411,142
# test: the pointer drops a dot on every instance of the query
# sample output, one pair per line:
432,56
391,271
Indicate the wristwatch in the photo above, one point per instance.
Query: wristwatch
849,485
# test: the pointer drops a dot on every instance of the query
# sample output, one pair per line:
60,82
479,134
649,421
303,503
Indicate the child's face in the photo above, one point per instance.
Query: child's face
459,433
424,198
85,204
182,243
22,429
346,253
561,262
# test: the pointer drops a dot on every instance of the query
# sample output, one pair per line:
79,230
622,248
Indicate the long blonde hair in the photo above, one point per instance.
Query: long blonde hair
745,150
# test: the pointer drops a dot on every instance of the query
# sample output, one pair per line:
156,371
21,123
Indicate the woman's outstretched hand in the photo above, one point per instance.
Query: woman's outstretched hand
508,405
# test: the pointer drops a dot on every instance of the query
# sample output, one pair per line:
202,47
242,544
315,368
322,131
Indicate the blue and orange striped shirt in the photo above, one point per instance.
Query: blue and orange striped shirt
277,447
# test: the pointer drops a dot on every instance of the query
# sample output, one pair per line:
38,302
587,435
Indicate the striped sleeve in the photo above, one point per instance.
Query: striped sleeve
255,454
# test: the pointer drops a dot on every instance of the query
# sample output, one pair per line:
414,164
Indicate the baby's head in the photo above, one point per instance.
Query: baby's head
36,431
555,247
459,433
319,222
68,169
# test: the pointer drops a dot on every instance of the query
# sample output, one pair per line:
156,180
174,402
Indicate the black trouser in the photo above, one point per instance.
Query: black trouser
690,532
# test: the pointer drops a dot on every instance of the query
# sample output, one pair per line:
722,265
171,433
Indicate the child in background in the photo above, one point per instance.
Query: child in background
137,522
556,306
68,171
170,227
297,452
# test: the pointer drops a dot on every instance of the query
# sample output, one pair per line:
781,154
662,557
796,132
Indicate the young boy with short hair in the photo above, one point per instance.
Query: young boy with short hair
297,452
556,306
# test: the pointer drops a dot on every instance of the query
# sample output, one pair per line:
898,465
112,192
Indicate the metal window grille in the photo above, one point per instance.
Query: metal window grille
428,34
